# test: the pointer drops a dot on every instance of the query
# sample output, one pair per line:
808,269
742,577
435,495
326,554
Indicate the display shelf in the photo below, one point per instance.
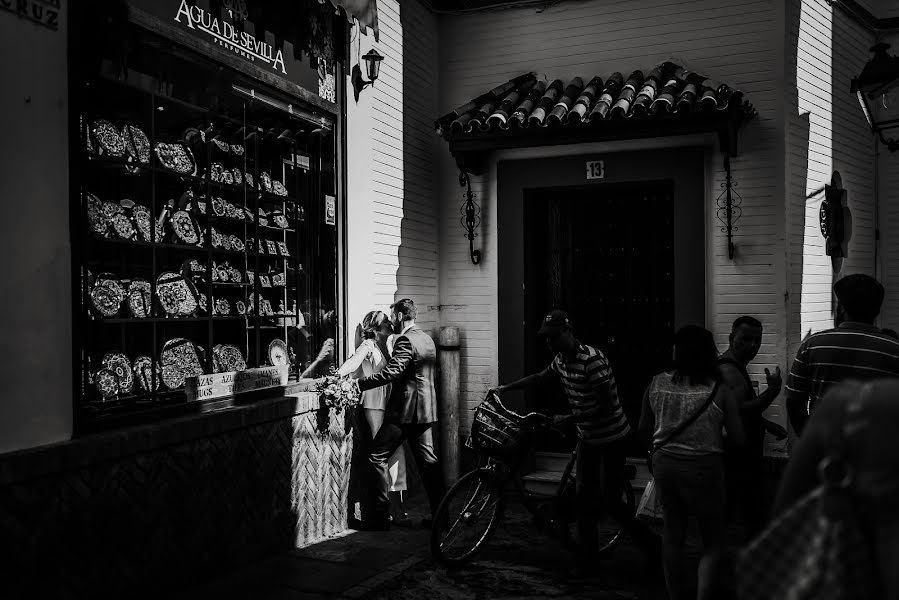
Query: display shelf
230,284
167,320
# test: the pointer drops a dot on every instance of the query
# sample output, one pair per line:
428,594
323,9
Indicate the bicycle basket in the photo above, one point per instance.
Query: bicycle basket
496,430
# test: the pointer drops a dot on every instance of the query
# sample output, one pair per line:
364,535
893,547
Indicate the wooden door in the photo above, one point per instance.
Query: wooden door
605,254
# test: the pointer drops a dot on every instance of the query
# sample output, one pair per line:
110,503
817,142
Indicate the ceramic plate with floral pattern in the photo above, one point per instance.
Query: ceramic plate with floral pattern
270,247
237,244
137,144
122,226
223,146
95,217
201,303
282,249
228,357
218,206
108,139
143,373
143,221
120,365
237,176
278,188
249,178
180,359
279,280
177,296
139,298
221,307
279,219
237,150
176,157
265,182
235,275
106,384
105,301
277,353
217,172
264,281
240,307
109,280
184,227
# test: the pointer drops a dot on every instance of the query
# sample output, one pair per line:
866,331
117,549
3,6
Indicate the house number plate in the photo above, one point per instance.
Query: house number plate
596,169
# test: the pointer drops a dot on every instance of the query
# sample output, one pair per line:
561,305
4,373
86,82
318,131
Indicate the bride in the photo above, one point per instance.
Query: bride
371,356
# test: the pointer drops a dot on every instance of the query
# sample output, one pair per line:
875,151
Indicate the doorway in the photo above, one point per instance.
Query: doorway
605,254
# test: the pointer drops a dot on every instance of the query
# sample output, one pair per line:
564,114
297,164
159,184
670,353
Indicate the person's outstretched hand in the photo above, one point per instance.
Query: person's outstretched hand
775,381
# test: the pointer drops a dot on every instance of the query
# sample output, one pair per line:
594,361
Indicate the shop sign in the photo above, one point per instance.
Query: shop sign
230,37
220,385
42,12
596,169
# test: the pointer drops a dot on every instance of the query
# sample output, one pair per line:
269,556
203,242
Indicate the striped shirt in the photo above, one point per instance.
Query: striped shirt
585,377
852,351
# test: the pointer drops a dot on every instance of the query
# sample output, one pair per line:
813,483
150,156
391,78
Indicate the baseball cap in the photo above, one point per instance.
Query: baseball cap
555,321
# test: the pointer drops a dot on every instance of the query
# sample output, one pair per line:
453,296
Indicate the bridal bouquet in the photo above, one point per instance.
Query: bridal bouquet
339,392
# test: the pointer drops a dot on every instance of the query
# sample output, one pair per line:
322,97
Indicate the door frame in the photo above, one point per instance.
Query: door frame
685,167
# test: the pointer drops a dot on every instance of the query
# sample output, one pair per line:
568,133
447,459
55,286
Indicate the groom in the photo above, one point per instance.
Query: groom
411,413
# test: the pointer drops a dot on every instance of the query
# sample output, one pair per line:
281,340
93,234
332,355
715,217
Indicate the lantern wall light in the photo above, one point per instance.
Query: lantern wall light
880,74
372,67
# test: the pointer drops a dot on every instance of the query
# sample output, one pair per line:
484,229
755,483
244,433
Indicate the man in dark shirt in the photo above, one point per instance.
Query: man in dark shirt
854,350
743,466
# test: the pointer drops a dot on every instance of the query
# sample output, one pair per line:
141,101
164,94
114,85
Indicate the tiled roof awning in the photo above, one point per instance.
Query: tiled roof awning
524,111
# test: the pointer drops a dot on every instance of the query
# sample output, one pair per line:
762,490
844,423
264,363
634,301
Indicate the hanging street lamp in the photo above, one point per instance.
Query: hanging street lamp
880,74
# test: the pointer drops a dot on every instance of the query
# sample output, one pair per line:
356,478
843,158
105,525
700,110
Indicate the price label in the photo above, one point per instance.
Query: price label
330,210
596,169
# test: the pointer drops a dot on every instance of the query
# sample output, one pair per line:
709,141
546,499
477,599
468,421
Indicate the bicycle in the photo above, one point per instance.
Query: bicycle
502,439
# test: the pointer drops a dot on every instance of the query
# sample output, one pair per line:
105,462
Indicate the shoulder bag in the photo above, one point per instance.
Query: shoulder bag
680,428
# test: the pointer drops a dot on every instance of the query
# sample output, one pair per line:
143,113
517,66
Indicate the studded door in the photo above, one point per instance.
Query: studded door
610,264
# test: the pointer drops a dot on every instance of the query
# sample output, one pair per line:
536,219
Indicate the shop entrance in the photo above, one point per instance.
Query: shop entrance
604,253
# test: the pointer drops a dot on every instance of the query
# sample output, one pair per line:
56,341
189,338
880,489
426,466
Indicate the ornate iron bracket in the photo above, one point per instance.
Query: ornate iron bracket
729,207
471,216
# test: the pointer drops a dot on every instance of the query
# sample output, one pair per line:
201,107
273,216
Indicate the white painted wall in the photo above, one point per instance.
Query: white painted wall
35,256
735,41
392,224
826,132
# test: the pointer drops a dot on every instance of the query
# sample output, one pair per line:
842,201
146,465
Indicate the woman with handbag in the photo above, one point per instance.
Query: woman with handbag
683,414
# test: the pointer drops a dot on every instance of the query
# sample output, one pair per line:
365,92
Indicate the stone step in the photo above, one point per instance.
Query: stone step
550,466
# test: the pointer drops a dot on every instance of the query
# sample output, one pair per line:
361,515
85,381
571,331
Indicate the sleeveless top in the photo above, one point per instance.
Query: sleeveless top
368,359
672,404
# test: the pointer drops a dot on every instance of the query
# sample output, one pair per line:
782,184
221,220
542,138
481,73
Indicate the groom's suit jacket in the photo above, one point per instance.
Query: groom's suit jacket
411,370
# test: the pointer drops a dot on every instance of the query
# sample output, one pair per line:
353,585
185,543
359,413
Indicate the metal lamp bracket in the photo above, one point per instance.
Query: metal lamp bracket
729,207
471,216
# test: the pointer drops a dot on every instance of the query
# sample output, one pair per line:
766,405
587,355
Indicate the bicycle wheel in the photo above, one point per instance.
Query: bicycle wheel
467,517
610,531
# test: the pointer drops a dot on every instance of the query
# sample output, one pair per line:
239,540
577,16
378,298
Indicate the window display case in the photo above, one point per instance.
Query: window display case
204,229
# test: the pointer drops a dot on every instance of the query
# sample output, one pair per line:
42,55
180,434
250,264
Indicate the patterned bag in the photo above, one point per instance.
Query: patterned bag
816,549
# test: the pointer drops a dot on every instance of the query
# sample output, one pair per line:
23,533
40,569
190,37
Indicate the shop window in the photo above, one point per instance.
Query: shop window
204,231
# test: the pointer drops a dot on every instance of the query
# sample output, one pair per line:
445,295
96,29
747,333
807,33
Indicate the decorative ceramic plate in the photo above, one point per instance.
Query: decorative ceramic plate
144,222
223,146
193,269
265,308
126,203
249,178
110,209
263,218
240,307
176,157
218,206
109,280
105,301
224,272
158,231
235,275
260,248
264,281
282,249
265,182
270,247
108,139
237,244
277,353
234,211
237,149
278,188
227,178
237,176
137,144
120,365
180,359
279,219
88,142
226,241
105,381
228,357
96,220
143,373
221,307
216,172
123,227
201,302
251,277
279,280
139,298
184,227
177,296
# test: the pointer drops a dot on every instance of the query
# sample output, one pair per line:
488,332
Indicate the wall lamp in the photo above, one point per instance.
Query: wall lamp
880,74
372,66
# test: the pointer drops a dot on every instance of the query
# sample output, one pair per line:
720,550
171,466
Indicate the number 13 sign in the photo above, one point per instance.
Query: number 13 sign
596,169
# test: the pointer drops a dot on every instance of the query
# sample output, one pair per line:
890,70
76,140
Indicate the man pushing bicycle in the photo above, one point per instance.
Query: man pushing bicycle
589,385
